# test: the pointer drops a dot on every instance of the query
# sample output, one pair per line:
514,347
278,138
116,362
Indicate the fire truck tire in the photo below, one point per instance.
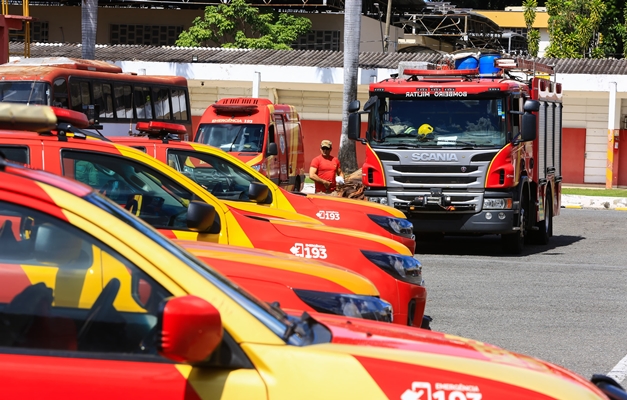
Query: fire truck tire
514,243
545,227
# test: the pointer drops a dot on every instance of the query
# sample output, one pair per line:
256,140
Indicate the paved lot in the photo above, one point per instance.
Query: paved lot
565,303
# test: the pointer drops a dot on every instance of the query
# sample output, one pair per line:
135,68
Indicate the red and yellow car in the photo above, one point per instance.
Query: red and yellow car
229,179
196,335
182,209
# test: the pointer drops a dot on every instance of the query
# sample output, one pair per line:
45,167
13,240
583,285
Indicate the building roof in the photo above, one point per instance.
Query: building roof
302,58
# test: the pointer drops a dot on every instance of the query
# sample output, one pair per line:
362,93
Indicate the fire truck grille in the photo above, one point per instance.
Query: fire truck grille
433,169
436,180
454,199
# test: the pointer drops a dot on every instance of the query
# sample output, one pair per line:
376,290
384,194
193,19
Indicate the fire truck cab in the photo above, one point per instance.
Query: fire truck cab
467,150
266,136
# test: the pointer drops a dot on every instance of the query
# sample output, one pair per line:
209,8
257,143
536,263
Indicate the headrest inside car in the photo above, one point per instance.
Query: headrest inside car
56,245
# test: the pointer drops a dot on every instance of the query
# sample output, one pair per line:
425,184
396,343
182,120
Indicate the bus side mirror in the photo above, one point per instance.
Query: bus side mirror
272,150
354,126
528,131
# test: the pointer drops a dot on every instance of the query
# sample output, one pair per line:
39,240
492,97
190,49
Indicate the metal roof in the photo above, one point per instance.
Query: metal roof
304,58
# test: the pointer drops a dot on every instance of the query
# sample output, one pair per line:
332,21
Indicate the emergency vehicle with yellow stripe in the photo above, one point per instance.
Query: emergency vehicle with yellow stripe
196,335
182,209
468,146
266,136
230,179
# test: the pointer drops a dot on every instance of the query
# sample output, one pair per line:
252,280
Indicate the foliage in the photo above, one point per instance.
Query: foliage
574,28
613,29
595,192
240,25
533,35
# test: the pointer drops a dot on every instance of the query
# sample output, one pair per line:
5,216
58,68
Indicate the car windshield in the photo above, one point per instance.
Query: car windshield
25,92
273,318
438,122
232,137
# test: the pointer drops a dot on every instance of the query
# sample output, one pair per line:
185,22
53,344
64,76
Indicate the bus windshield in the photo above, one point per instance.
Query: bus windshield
25,92
232,137
436,122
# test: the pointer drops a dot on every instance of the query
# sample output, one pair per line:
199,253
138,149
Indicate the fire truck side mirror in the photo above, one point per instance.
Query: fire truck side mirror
528,129
531,106
272,149
354,106
354,126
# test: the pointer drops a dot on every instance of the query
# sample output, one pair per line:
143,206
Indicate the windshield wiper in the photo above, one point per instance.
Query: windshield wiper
405,145
241,129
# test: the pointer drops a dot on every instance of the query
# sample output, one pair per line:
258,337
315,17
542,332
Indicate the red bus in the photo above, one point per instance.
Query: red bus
112,99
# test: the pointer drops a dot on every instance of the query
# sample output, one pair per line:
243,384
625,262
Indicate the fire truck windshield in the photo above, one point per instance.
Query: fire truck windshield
25,92
233,137
438,122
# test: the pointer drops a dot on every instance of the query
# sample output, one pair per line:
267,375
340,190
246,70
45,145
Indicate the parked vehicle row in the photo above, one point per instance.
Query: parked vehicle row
158,322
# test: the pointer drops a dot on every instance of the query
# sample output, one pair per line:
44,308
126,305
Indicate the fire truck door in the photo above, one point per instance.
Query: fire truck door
282,145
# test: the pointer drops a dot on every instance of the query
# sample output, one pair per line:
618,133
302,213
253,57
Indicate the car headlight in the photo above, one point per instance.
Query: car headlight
404,268
497,204
256,167
350,305
398,226
380,200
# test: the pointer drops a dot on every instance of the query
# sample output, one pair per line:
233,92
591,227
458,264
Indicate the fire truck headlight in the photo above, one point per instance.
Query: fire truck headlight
497,204
397,226
380,200
350,305
401,267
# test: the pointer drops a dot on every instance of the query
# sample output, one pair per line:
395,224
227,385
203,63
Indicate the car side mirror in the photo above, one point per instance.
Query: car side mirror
201,217
272,150
258,192
191,329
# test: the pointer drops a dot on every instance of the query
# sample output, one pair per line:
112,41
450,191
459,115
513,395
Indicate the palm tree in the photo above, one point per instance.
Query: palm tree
89,26
352,33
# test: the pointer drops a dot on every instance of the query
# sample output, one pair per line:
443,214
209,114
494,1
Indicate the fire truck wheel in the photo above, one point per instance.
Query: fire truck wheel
514,243
545,227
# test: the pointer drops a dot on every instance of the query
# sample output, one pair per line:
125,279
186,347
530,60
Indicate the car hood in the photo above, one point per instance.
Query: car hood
449,362
248,208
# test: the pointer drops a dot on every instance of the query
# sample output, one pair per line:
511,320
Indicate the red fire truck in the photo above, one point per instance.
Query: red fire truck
467,151
266,136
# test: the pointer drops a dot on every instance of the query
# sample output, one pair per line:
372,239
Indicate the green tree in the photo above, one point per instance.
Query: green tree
533,35
574,28
613,30
240,25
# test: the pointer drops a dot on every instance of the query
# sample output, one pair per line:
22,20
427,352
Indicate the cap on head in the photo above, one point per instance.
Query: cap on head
326,143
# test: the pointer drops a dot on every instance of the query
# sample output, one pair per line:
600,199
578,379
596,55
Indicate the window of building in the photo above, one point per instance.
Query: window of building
318,40
152,35
38,32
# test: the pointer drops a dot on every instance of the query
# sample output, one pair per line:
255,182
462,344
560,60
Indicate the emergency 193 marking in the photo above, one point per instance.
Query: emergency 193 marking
443,391
307,250
331,215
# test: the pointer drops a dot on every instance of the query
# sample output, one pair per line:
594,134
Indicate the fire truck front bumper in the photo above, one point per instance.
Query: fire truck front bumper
483,222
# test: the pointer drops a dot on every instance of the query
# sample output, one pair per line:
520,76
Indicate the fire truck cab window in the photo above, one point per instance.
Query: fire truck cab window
437,122
233,137
60,93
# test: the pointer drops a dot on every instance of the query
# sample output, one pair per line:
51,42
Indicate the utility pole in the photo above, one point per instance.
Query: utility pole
388,20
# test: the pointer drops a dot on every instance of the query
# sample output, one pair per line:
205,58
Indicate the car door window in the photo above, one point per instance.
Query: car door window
15,153
222,178
155,198
62,289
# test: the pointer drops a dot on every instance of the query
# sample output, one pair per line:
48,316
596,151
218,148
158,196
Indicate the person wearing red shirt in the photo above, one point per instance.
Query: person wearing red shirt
325,169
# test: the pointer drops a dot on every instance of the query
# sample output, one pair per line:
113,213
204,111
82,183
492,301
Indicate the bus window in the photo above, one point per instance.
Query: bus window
179,105
161,101
103,99
123,102
81,97
59,93
142,102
